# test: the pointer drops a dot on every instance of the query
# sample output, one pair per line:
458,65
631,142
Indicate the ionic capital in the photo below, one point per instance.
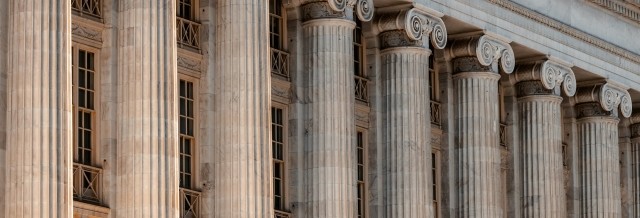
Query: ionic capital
486,49
410,28
319,9
607,96
550,74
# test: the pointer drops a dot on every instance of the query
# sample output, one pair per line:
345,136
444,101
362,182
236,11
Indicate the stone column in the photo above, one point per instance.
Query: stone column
38,167
3,99
540,119
476,115
598,158
406,125
242,162
147,135
330,157
634,184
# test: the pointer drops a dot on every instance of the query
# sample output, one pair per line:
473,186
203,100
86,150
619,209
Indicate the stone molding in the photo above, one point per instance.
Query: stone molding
608,97
341,9
86,32
548,75
189,64
628,10
566,29
410,28
486,49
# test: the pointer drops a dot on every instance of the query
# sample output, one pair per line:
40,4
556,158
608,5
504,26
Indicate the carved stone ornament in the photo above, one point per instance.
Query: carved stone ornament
416,24
319,9
188,63
86,32
532,87
609,97
550,74
486,49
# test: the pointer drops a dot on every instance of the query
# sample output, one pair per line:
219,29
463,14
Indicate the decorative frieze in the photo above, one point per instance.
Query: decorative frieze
608,97
486,49
410,28
84,31
191,64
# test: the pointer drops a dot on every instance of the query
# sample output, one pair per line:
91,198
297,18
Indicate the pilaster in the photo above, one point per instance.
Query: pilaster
476,116
539,107
147,153
330,152
242,164
597,109
406,126
38,167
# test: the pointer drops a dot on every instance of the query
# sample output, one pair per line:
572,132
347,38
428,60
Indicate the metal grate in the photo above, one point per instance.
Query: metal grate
361,89
92,8
188,34
87,183
279,63
189,203
435,113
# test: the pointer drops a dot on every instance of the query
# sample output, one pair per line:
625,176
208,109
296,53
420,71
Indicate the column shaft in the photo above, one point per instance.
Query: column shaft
599,168
406,131
541,155
330,151
3,98
242,162
477,143
38,167
147,167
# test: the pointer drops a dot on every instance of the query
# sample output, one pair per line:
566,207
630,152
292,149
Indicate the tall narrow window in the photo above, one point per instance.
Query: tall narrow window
185,9
361,92
433,79
86,176
85,108
360,152
435,177
277,143
186,134
275,23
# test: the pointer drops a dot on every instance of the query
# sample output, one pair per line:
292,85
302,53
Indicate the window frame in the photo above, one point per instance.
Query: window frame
195,157
434,78
195,5
365,167
95,123
437,182
283,25
285,154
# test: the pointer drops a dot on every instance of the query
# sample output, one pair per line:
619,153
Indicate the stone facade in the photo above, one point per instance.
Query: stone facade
319,108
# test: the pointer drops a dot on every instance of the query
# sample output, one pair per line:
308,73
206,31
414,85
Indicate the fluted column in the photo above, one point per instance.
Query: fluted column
598,158
476,114
147,135
330,168
538,90
3,98
38,167
242,171
406,125
634,185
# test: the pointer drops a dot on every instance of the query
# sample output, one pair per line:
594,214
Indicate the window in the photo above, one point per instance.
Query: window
86,177
433,79
275,23
435,177
189,199
85,97
360,152
185,9
186,133
277,143
361,92
503,116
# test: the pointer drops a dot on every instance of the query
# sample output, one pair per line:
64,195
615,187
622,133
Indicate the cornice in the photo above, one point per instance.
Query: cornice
628,10
566,29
